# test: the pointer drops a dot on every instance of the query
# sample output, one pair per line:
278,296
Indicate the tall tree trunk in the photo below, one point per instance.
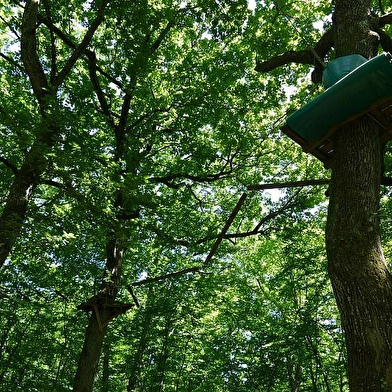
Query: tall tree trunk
103,308
27,178
89,358
360,278
105,369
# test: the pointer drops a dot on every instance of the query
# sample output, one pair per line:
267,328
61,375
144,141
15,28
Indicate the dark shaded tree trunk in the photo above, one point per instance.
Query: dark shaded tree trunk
110,284
100,316
25,181
105,369
89,358
158,381
360,278
27,178
294,372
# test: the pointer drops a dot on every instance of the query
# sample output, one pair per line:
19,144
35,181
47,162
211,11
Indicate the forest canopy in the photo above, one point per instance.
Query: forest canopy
158,231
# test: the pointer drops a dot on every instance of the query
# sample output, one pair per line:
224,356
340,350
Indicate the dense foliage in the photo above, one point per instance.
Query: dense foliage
157,129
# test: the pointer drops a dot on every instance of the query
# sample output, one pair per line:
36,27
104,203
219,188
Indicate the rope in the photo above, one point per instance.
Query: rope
290,20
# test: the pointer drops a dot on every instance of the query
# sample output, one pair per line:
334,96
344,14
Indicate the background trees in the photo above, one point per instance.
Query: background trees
128,136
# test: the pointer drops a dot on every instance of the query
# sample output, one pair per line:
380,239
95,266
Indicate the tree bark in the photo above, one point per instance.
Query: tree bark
89,358
359,275
360,278
144,320
101,314
28,177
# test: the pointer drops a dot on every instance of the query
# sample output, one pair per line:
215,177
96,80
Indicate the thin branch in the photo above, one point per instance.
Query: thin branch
167,276
225,228
80,49
161,37
129,288
29,50
169,179
92,66
264,220
9,25
72,192
387,181
290,184
12,62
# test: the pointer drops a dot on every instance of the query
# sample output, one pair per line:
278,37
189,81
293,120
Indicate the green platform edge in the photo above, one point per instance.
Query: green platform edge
351,95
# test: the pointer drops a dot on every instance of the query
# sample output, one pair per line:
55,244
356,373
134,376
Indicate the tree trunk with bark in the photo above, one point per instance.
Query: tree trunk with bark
103,308
360,278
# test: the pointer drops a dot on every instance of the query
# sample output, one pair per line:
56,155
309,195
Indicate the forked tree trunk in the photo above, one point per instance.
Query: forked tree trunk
102,312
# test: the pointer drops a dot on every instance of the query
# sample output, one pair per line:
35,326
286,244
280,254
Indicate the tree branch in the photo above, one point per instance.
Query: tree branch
290,184
169,179
12,62
267,218
80,49
92,66
292,56
72,44
225,228
384,20
53,69
385,40
313,56
166,276
72,192
29,50
9,164
161,37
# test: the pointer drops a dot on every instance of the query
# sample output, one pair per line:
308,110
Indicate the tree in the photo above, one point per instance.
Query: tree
122,140
357,267
135,142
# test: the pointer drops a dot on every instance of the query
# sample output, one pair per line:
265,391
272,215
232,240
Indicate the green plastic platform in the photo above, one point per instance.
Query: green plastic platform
366,89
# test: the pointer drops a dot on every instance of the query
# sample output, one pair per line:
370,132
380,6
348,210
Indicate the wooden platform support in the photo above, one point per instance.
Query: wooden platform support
100,302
